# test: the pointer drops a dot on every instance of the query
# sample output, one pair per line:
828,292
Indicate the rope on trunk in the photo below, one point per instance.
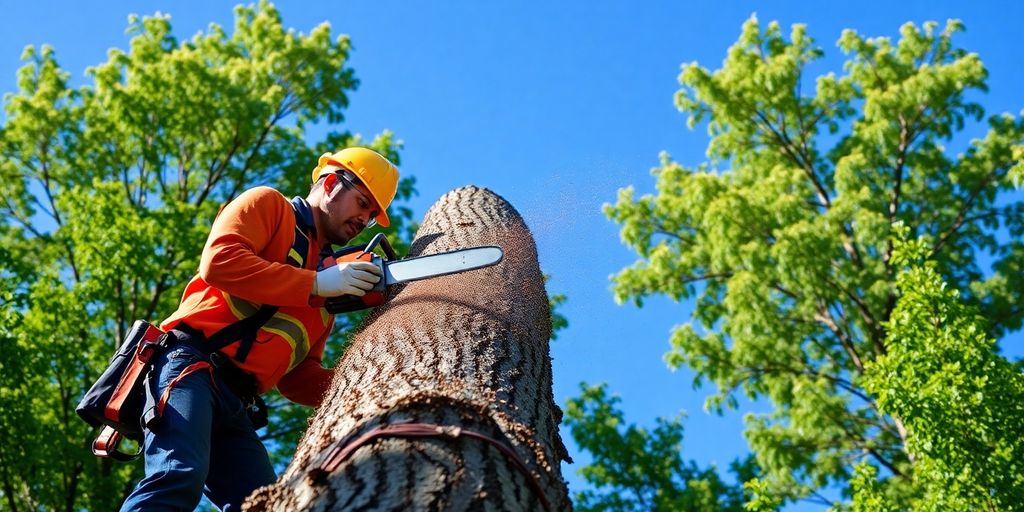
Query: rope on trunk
342,449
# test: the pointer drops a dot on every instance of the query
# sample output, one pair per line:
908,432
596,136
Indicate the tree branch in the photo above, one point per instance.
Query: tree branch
217,170
885,462
823,500
894,201
825,317
962,213
47,188
807,166
704,277
161,284
13,214
786,145
865,312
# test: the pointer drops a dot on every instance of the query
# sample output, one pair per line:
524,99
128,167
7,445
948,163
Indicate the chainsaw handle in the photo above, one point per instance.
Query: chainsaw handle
373,297
385,245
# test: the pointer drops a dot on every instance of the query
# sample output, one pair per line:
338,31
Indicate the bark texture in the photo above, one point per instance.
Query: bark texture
467,352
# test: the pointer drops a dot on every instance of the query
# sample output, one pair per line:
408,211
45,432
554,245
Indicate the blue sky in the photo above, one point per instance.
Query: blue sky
555,106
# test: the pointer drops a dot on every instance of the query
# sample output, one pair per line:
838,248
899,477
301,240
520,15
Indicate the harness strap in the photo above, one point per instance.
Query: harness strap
151,339
243,330
105,445
300,248
241,382
192,368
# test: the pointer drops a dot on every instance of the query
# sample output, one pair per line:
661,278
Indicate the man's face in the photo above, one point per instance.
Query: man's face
350,209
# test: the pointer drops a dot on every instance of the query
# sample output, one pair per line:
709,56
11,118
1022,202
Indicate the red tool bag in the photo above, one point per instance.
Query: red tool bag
116,400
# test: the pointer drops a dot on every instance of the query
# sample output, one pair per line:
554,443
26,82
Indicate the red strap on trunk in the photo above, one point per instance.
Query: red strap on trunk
341,450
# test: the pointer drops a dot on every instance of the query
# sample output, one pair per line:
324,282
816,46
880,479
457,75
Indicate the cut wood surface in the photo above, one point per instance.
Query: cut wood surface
443,401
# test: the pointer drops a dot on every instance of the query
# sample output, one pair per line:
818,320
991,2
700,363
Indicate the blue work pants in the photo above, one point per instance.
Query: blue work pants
204,443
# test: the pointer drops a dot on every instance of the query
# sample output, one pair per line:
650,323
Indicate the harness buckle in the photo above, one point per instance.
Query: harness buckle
218,360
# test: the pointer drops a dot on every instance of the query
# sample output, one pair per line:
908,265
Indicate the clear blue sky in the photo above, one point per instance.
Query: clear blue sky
555,106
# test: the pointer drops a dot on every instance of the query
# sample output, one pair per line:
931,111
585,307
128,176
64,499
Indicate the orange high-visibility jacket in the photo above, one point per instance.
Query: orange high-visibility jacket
244,266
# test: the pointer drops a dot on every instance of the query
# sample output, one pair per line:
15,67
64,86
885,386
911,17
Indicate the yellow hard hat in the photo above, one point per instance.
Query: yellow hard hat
378,174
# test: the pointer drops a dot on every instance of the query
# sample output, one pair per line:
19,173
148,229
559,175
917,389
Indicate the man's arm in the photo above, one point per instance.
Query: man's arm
307,383
241,257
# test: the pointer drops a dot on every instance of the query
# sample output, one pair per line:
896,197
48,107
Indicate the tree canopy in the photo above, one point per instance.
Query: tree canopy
962,403
107,193
785,239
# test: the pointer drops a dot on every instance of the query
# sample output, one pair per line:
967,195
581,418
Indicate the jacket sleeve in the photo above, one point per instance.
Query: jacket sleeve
308,382
236,258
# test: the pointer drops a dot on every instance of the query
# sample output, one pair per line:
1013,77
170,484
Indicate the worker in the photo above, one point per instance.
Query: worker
205,440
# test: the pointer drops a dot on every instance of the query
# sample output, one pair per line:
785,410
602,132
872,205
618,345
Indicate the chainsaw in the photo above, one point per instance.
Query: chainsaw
399,271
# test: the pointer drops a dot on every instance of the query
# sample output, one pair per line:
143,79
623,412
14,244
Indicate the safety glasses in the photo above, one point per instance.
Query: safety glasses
349,182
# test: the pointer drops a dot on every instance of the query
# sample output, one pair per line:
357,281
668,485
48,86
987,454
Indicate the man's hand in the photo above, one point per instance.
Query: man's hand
351,278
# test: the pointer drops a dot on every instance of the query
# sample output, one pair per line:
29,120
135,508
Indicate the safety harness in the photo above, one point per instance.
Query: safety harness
117,399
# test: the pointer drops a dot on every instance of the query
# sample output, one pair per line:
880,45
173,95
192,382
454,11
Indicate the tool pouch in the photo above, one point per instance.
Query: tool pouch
116,399
244,386
257,411
151,400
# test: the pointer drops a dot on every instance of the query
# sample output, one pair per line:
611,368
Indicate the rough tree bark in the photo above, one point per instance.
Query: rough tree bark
467,353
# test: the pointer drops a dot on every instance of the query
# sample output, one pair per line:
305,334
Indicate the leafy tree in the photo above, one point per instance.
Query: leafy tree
107,192
637,469
962,403
784,235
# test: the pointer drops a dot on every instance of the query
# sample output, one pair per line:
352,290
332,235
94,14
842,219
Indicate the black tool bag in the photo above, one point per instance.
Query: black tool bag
121,382
124,399
116,400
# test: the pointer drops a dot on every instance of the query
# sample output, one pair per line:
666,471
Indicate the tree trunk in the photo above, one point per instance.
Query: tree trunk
443,401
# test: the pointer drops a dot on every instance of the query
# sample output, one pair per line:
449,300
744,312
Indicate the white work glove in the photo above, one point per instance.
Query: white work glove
351,278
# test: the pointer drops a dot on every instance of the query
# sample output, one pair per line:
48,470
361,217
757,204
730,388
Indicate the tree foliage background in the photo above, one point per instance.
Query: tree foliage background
962,402
836,248
786,237
107,192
